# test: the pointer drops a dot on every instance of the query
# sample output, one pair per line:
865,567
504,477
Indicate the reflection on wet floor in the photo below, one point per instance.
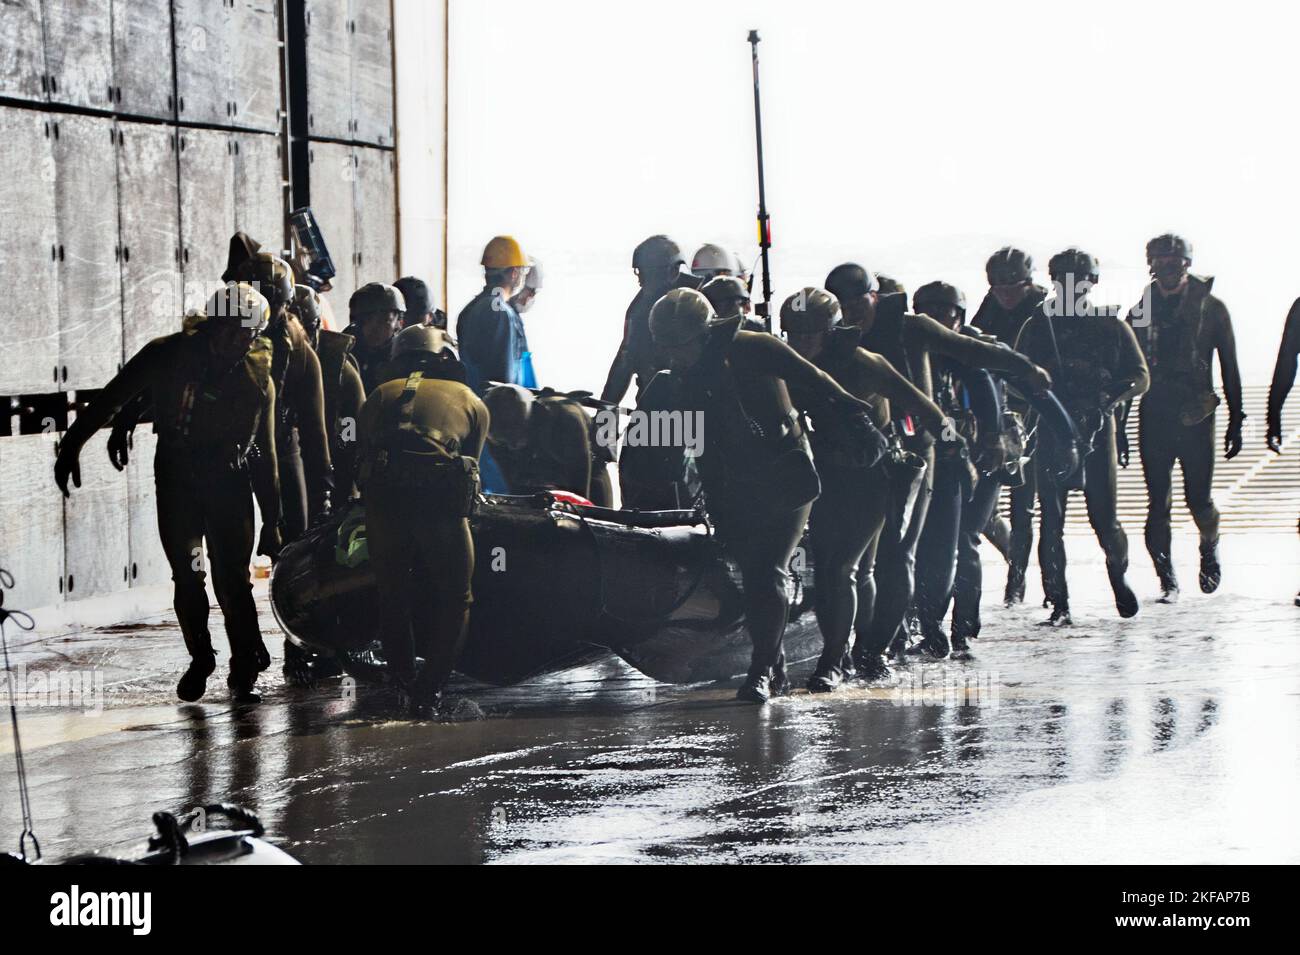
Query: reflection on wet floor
1110,741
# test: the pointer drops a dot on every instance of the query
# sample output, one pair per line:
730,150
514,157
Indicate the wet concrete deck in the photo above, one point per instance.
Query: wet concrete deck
1168,738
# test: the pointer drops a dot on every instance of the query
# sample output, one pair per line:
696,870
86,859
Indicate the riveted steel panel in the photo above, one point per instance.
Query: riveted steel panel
142,57
204,54
148,562
90,290
257,58
329,69
259,192
31,521
22,51
372,72
207,210
333,174
96,544
29,333
79,52
152,302
376,216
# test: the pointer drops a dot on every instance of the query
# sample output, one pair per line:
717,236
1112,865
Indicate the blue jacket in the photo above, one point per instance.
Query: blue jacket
492,341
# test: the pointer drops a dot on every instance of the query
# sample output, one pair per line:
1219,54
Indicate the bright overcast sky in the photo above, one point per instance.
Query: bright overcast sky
915,138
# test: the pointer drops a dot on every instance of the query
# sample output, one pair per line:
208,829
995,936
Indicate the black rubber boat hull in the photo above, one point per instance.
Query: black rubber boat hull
556,586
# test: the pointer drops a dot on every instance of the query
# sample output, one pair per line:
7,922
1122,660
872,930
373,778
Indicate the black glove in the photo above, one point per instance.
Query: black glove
119,447
1121,446
1274,435
1232,438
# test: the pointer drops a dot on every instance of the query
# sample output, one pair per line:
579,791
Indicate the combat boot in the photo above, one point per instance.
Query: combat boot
1015,592
1060,615
1211,572
871,668
242,683
757,687
961,647
195,680
1168,580
1126,601
825,679
934,643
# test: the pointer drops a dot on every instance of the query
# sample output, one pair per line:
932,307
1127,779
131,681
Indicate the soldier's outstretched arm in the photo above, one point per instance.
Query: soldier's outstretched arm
137,375
1283,375
266,477
619,378
975,353
886,380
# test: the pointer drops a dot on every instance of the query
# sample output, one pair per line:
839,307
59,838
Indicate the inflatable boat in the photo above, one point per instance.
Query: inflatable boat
557,583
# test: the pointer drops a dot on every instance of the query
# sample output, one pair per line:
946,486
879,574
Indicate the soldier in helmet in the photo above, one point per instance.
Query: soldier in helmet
302,437
907,341
658,265
419,303
493,344
729,297
964,499
1012,297
847,518
759,481
214,400
343,392
376,312
1097,366
1180,326
420,435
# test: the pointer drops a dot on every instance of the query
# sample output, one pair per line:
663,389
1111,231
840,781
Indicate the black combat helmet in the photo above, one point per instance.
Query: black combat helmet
725,293
849,281
376,297
939,293
1169,244
1073,262
810,310
657,252
1009,266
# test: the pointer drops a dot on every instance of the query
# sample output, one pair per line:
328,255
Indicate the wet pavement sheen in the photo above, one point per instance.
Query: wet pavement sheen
1168,738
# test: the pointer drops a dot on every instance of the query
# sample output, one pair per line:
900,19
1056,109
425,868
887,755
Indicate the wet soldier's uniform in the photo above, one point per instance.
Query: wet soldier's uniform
343,391
302,438
846,520
948,560
541,443
1096,364
1176,417
906,342
758,478
215,420
658,262
1005,267
1283,380
419,439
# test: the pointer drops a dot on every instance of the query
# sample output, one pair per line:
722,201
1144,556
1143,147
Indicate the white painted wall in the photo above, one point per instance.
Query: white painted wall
418,43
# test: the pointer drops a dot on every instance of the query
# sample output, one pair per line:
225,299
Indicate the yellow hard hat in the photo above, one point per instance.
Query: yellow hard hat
503,252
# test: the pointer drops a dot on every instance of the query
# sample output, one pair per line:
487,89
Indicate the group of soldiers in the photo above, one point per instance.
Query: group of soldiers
883,432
